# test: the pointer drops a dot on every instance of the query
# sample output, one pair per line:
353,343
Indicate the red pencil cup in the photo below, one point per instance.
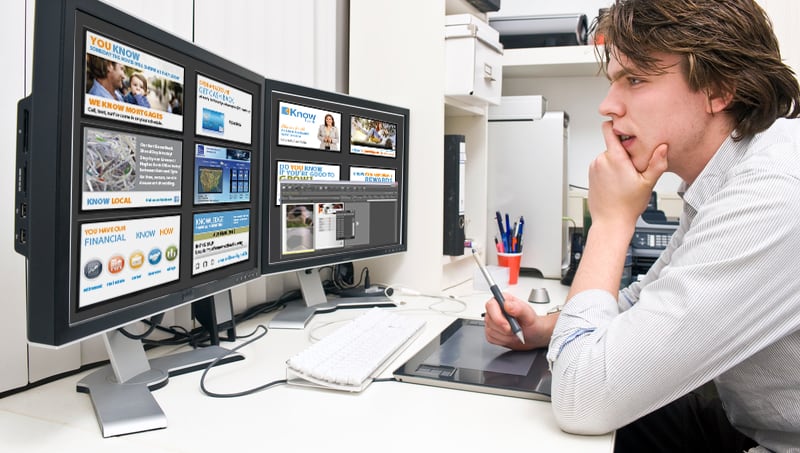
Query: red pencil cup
512,262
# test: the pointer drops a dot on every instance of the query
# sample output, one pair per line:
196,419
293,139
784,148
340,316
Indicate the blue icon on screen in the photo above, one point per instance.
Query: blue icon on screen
213,120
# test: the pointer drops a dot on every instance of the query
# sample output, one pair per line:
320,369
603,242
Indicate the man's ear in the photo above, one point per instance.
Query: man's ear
719,99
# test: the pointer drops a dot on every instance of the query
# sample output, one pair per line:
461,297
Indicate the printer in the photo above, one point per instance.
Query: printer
650,237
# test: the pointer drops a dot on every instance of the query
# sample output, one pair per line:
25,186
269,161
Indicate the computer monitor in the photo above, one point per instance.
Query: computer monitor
138,190
338,172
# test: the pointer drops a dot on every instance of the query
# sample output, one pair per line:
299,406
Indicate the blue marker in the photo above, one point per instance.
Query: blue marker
509,234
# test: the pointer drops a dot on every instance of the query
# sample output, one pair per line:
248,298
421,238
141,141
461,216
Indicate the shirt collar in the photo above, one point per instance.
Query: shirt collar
713,175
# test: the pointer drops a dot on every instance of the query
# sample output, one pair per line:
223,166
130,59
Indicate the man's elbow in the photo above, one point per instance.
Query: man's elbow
586,426
584,419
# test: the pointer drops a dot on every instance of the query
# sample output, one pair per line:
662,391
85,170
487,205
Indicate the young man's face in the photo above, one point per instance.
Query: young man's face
648,110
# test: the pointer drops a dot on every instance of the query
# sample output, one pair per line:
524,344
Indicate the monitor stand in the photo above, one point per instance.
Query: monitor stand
120,392
297,316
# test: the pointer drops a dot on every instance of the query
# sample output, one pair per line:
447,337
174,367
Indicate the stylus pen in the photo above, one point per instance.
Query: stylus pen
498,296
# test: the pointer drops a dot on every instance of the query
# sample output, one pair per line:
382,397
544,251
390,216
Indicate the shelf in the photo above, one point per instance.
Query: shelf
457,107
564,61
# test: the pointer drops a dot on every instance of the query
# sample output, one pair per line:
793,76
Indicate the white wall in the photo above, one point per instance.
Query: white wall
785,16
397,57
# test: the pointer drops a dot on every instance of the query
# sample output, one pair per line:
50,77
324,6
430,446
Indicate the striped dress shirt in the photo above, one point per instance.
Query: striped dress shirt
722,302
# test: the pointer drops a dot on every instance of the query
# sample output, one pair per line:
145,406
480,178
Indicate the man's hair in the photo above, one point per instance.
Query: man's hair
728,46
97,67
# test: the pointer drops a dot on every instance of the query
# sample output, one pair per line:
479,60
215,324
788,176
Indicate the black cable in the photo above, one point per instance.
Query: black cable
340,286
360,277
154,321
200,337
243,392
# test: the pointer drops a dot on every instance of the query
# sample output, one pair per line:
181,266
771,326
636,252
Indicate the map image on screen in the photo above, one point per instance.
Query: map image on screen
222,175
127,170
210,180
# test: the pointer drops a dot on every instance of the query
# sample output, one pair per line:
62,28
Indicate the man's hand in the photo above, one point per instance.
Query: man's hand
618,192
536,329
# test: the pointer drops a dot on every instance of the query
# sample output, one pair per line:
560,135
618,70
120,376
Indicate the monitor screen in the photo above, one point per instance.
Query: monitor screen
142,158
338,170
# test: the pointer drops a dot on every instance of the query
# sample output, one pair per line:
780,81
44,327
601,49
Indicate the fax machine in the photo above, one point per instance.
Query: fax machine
650,237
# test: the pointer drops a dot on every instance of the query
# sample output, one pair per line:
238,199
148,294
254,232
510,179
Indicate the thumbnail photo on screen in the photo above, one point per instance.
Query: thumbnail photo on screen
223,111
125,84
220,239
364,174
308,127
126,170
124,256
372,137
222,175
300,171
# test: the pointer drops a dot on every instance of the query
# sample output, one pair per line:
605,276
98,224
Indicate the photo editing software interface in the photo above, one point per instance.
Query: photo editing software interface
338,169
140,183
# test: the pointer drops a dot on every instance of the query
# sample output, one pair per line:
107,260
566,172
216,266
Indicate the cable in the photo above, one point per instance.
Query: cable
391,379
391,290
154,321
243,392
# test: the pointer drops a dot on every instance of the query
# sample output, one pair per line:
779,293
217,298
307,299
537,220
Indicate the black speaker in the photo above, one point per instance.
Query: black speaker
454,160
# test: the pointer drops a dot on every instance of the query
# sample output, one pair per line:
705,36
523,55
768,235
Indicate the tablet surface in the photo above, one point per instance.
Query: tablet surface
461,358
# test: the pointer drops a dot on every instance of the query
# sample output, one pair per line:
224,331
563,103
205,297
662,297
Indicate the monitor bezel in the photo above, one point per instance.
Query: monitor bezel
53,159
277,91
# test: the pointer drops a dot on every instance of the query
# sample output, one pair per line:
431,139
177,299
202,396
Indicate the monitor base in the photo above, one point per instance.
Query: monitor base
297,317
126,406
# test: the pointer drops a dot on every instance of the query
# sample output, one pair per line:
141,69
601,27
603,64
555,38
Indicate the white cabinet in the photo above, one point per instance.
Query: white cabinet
473,60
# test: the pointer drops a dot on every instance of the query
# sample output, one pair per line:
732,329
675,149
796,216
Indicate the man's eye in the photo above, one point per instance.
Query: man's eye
634,80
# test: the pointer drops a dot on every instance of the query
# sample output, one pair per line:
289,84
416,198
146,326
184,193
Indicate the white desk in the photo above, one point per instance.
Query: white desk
387,416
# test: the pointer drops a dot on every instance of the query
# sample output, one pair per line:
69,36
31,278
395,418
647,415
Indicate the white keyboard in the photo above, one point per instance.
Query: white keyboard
352,356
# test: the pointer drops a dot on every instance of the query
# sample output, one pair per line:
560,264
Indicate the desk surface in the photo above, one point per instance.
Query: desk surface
387,416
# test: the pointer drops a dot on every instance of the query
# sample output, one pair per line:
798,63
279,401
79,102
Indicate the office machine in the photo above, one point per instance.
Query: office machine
540,30
527,176
650,237
485,5
328,206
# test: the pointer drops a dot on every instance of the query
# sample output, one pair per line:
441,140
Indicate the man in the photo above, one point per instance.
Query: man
108,77
696,88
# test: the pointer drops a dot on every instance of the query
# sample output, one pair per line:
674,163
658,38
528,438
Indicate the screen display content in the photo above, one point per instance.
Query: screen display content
338,168
141,167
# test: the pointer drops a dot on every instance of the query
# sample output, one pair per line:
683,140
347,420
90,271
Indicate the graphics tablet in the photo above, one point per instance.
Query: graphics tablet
461,358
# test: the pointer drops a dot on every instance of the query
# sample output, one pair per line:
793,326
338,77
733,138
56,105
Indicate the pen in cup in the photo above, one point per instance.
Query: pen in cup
498,296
